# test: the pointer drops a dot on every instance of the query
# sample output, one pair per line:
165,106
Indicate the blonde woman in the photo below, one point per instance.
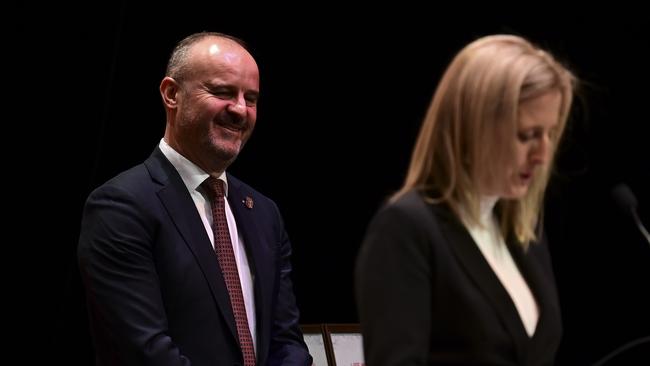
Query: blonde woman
454,269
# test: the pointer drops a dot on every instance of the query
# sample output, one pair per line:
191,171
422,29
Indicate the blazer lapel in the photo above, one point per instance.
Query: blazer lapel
183,213
261,257
545,296
478,269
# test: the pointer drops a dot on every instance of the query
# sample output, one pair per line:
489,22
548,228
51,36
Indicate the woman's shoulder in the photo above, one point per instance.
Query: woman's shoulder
415,207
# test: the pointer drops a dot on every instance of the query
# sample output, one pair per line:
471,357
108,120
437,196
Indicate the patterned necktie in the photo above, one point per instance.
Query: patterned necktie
226,257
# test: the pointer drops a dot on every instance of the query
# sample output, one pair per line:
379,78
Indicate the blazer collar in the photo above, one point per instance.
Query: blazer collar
478,269
182,211
531,268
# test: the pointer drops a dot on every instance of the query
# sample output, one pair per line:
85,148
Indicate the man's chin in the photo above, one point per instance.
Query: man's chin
226,156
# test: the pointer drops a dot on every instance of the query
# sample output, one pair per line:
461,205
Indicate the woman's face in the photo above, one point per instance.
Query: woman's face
533,147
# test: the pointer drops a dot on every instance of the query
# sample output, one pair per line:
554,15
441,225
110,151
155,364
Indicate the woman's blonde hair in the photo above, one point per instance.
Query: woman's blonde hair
473,112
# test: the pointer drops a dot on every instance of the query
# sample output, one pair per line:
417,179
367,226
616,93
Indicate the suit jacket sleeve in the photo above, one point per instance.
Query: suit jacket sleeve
123,293
287,345
393,289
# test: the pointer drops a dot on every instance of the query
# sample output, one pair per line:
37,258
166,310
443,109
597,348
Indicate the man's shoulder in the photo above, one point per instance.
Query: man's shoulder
133,181
132,177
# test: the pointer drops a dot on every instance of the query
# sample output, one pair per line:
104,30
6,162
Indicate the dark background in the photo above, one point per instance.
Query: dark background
343,94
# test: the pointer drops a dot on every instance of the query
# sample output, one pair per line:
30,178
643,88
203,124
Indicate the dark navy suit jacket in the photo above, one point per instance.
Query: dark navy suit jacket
154,290
427,296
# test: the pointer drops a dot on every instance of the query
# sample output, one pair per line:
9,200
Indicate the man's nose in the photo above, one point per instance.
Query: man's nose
238,106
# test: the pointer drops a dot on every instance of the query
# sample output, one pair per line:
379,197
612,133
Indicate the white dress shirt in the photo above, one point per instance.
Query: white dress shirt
193,176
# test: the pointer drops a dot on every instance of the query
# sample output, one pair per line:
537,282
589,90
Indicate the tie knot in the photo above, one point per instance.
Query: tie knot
214,187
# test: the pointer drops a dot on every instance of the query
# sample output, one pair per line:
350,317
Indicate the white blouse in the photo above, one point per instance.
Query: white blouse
489,240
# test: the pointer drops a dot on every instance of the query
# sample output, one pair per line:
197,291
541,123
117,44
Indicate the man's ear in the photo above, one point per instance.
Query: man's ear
169,91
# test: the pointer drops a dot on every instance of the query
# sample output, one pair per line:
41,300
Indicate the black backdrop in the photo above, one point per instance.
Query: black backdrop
342,97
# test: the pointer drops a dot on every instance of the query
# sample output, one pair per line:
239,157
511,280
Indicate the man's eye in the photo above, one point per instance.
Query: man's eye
221,92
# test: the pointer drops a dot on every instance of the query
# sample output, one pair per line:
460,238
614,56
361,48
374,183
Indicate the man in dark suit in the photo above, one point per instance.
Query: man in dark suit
157,291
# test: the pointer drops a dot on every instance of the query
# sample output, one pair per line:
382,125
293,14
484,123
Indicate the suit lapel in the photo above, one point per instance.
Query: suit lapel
533,273
183,213
478,269
260,255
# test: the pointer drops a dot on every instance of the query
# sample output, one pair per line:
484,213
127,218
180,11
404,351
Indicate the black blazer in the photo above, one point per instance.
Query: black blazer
427,296
155,293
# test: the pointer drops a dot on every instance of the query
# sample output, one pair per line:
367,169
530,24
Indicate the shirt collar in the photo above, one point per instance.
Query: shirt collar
191,174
